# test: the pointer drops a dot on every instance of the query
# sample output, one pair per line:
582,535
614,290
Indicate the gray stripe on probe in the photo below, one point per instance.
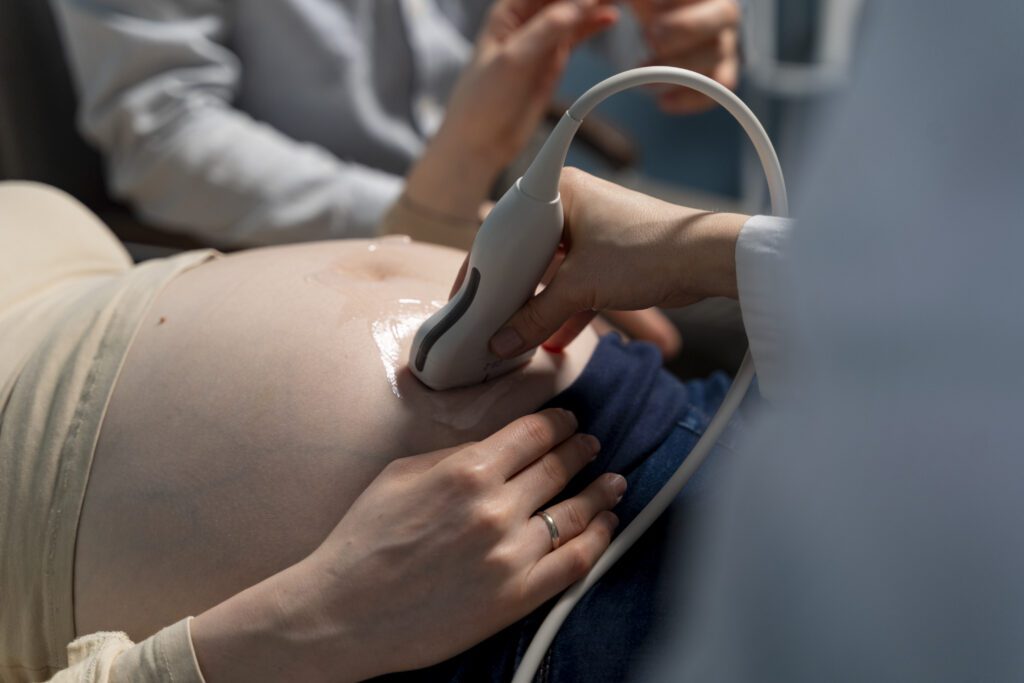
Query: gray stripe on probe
445,324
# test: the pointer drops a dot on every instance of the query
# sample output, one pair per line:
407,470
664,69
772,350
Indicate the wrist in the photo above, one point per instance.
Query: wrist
279,630
712,248
452,179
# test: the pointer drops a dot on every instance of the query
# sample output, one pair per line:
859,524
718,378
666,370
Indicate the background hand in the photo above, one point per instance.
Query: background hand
700,35
500,99
649,324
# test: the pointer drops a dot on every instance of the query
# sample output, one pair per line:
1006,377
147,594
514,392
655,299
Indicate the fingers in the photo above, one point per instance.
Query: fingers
520,443
543,479
685,28
719,61
556,262
600,19
565,335
539,318
559,569
648,325
572,516
561,23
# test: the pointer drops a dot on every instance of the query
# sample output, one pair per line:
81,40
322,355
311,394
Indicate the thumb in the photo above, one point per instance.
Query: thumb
537,320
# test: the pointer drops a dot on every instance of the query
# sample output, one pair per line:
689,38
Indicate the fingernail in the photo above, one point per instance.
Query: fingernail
614,520
506,342
571,416
618,484
593,444
552,348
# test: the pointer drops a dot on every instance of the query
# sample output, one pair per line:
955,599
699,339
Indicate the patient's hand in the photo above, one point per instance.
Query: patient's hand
440,551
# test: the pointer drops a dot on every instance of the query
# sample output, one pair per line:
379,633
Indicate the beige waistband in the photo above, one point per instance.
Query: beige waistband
65,329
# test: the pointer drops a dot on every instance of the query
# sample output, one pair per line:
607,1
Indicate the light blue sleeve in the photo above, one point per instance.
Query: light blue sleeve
156,86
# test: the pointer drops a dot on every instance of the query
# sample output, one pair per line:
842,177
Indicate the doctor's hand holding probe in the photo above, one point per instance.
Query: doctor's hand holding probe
623,250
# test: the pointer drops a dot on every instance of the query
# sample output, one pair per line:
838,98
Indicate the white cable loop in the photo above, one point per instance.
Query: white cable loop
780,207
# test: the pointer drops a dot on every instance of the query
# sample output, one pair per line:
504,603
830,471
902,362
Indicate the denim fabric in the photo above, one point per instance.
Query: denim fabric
647,422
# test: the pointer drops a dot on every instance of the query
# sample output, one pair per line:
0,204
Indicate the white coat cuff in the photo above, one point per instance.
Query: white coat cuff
761,255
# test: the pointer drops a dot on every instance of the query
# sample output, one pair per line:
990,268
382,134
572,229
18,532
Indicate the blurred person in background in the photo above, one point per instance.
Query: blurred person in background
263,123
249,124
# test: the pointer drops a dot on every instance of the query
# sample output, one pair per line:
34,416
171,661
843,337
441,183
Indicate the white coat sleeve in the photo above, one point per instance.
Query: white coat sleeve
762,252
156,85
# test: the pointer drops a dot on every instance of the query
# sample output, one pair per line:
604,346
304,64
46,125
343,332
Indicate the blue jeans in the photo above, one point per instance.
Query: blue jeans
605,636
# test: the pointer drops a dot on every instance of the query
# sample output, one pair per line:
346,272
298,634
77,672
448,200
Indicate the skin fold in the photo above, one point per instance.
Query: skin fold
262,394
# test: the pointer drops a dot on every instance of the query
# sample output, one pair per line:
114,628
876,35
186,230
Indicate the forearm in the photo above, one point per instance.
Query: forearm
446,195
452,181
278,629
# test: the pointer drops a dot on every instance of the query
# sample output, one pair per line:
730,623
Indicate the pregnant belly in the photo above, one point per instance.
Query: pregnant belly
263,392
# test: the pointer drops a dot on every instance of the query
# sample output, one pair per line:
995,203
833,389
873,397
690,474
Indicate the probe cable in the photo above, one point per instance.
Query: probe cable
741,383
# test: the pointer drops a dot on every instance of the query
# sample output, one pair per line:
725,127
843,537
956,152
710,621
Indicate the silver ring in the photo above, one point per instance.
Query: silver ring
552,529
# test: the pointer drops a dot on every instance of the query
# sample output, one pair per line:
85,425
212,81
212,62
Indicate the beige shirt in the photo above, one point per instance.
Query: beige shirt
70,304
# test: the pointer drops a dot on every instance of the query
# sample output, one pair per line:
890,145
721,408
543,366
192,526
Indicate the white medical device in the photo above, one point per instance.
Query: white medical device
512,250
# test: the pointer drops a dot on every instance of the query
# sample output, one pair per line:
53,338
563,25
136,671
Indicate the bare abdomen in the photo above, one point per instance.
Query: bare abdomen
263,393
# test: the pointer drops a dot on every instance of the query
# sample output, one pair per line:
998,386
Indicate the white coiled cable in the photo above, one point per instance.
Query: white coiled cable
780,207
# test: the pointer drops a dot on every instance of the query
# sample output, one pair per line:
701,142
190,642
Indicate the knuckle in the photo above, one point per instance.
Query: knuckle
396,468
491,519
611,496
574,520
537,429
554,470
605,529
500,561
589,297
503,60
582,448
472,478
533,320
579,562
